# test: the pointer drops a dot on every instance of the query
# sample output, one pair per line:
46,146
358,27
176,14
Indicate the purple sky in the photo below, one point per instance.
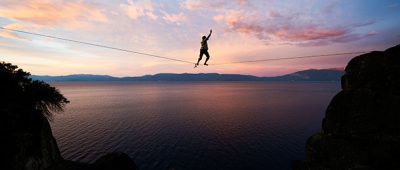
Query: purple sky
242,30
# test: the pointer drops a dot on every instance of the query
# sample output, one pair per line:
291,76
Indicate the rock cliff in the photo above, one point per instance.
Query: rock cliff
361,128
27,139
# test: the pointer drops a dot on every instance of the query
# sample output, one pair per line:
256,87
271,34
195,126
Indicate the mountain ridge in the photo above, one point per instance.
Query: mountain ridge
304,75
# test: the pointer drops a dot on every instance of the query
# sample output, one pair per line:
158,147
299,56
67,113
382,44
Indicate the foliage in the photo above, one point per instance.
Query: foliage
19,91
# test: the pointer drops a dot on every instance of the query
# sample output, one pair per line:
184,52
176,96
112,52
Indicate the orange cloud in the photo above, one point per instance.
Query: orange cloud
13,35
51,13
140,8
9,34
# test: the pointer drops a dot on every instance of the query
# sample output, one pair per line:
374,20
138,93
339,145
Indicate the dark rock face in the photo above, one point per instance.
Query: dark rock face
111,161
29,144
361,128
27,140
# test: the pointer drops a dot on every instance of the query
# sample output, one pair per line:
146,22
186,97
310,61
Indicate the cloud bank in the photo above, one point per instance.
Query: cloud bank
290,29
69,14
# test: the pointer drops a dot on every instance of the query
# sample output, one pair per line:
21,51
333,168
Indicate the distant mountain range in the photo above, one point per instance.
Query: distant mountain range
306,75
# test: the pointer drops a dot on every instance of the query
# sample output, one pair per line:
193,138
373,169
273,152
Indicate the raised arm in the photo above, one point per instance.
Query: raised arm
209,35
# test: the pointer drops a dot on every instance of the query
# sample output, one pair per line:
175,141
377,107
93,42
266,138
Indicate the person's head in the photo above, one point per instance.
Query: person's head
204,37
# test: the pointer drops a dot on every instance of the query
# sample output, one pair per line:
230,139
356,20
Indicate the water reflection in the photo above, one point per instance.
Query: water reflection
234,125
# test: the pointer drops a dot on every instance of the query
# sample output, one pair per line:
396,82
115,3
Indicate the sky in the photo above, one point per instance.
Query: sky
242,30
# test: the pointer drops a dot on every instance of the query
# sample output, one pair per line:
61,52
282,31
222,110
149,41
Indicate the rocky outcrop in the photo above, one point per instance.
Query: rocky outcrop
361,128
28,143
27,140
111,161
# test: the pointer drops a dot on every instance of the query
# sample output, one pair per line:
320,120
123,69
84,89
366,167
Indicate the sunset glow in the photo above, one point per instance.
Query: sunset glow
242,30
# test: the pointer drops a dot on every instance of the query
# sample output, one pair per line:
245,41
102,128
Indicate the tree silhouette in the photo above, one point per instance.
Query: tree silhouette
19,92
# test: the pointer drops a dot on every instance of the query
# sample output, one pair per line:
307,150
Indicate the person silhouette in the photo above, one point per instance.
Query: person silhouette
204,49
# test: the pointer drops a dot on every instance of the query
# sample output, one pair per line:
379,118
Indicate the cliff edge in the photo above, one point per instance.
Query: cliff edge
361,128
26,106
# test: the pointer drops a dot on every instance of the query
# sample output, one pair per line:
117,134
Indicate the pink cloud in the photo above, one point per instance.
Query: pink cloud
353,37
274,14
308,33
242,2
175,18
140,8
196,4
288,29
51,13
210,4
341,39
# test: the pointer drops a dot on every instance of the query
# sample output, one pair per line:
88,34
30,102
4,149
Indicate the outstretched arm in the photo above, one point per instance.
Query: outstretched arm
209,35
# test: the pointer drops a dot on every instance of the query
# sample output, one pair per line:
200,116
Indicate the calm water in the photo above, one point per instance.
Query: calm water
213,125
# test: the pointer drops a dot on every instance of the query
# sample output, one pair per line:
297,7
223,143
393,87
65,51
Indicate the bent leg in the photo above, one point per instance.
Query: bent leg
208,57
200,56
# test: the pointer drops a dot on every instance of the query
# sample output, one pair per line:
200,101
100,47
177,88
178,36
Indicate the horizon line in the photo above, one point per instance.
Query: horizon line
335,69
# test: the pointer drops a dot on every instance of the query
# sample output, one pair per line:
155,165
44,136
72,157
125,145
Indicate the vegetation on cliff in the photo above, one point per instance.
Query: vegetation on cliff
36,96
26,105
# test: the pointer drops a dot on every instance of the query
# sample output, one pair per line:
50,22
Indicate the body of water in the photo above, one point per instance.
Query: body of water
192,125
